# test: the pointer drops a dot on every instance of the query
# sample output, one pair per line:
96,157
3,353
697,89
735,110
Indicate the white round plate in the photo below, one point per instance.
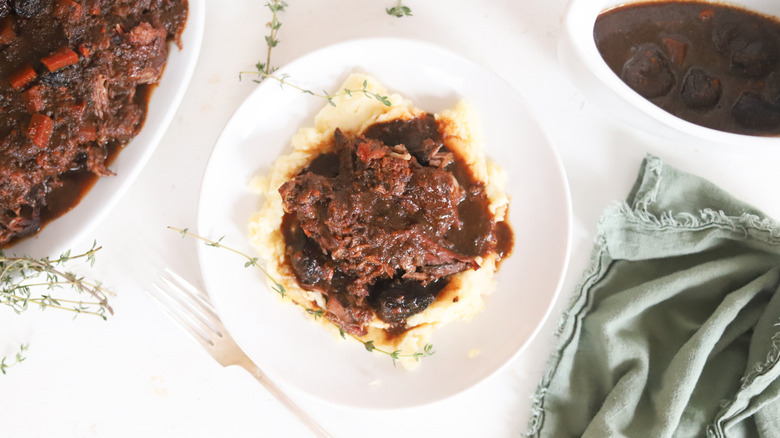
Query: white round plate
75,225
279,337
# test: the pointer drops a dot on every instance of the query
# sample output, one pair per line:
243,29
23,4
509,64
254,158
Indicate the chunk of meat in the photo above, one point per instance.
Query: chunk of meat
397,299
700,89
751,51
648,72
417,135
146,50
755,112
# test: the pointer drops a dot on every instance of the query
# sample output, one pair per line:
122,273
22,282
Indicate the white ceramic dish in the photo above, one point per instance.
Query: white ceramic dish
580,59
279,337
75,225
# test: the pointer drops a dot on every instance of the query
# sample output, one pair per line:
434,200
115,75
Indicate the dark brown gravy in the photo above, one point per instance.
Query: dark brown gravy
713,65
78,182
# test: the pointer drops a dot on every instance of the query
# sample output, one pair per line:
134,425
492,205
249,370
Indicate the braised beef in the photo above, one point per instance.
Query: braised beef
700,89
750,49
755,111
648,71
418,135
74,82
379,228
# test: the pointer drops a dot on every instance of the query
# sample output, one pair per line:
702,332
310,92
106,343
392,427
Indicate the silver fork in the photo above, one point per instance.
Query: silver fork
192,309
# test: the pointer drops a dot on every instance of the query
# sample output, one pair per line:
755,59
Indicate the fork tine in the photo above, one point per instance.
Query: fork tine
194,303
201,296
186,323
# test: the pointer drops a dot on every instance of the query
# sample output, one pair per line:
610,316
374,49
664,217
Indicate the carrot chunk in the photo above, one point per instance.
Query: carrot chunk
22,77
7,33
40,129
60,58
676,49
84,50
67,9
33,99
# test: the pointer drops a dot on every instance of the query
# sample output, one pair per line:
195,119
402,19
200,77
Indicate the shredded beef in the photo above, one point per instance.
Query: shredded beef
374,223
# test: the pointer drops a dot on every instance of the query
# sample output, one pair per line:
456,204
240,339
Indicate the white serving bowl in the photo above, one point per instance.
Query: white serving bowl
580,59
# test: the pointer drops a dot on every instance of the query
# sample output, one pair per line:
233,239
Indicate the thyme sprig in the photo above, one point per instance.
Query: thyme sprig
5,363
284,82
316,313
26,282
250,261
397,354
265,70
271,40
399,10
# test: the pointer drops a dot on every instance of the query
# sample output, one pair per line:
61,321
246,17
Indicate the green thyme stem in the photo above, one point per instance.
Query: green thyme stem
52,299
383,99
265,70
396,354
271,39
251,261
20,304
21,276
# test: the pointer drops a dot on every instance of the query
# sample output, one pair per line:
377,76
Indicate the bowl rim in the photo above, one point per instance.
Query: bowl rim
578,22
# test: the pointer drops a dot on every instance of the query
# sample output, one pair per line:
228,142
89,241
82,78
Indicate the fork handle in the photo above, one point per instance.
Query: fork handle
309,422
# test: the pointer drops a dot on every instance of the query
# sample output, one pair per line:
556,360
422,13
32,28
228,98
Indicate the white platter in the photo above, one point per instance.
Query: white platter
75,225
299,353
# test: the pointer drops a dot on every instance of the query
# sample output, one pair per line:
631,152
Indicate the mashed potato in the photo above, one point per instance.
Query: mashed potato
463,297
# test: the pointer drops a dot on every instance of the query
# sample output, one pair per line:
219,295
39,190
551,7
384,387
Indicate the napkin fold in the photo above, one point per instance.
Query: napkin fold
674,330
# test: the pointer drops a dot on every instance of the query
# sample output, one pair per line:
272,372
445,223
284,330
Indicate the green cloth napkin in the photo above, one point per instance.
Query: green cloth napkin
675,328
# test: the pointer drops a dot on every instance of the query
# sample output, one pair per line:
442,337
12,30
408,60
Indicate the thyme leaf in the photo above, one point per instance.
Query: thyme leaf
399,10
316,313
6,363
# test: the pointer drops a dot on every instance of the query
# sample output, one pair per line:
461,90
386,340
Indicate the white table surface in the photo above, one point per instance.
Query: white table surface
138,375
